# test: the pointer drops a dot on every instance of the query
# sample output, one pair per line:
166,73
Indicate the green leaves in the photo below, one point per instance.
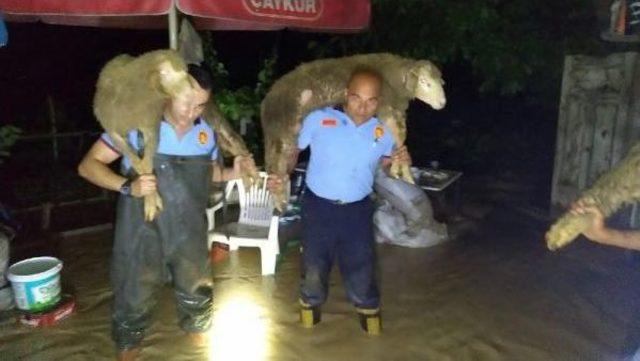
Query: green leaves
240,104
9,134
504,42
217,69
244,102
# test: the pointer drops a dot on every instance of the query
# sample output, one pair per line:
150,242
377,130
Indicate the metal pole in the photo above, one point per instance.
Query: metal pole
173,28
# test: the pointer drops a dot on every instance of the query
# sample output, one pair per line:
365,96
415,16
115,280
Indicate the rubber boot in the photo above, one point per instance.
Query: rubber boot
370,321
309,315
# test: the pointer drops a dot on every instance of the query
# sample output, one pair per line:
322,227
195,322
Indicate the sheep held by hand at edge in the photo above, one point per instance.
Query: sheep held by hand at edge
619,186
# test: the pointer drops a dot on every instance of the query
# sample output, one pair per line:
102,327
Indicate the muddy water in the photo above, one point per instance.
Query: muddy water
493,293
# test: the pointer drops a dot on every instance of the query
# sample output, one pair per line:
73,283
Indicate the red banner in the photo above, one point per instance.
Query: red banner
345,15
322,15
86,7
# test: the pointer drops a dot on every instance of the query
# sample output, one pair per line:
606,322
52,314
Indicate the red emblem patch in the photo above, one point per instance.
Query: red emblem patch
329,122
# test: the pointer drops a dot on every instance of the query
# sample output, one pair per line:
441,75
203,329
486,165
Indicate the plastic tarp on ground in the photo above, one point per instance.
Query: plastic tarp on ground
404,215
317,15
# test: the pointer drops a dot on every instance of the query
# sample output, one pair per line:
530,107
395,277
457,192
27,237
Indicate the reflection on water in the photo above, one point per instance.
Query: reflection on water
240,330
494,293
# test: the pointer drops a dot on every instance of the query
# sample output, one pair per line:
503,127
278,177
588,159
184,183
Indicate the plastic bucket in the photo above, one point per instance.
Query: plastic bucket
36,283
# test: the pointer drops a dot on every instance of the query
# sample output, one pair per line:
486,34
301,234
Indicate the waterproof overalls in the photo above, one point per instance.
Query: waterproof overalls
171,247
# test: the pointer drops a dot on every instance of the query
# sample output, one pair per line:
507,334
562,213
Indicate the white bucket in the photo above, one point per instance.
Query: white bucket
36,283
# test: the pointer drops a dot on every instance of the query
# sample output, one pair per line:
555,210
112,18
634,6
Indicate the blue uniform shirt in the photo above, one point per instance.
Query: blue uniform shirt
199,140
344,156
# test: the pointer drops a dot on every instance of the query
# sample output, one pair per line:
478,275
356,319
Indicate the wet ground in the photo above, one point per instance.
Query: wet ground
494,292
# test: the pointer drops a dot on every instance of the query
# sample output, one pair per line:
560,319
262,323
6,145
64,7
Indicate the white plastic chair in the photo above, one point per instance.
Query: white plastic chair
230,195
231,192
257,226
211,215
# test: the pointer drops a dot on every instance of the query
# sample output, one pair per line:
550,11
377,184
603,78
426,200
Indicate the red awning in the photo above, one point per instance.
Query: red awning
86,7
319,15
346,15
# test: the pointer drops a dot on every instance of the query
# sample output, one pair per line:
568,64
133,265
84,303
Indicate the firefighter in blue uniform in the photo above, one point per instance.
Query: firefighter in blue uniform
347,144
146,254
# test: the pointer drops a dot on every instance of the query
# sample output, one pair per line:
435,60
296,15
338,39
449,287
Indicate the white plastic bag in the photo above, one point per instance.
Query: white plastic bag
404,215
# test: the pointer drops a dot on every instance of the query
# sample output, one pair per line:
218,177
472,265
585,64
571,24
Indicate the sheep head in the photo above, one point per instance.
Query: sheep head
424,82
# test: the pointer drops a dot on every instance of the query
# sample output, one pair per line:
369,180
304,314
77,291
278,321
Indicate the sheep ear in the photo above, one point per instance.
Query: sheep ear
432,69
171,81
159,76
164,68
166,73
411,78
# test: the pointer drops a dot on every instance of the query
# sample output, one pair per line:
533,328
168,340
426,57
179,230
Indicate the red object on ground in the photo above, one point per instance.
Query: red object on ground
319,15
219,252
63,309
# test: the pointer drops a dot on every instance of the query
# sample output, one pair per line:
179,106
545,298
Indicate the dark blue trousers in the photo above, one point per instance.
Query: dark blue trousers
342,232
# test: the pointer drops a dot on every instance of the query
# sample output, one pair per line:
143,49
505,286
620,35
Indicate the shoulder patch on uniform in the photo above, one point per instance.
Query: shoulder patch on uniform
329,122
378,132
203,137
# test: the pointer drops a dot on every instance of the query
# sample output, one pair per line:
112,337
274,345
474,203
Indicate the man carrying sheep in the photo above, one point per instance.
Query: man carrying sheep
347,144
174,243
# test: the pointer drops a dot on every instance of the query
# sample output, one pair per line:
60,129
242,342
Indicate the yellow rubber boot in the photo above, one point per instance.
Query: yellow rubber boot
370,321
309,315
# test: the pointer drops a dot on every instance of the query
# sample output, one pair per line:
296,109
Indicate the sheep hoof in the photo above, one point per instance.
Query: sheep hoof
152,206
394,170
405,172
555,242
401,171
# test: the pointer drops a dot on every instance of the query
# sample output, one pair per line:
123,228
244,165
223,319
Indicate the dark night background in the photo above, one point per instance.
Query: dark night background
494,291
503,74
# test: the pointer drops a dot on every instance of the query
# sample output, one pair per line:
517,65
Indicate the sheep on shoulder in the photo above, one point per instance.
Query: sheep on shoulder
323,83
130,95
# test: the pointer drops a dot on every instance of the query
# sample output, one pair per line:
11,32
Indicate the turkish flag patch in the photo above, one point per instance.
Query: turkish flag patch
329,122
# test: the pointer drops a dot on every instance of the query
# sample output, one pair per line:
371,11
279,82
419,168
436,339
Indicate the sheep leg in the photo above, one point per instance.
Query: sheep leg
566,229
152,202
231,142
618,186
278,154
395,120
